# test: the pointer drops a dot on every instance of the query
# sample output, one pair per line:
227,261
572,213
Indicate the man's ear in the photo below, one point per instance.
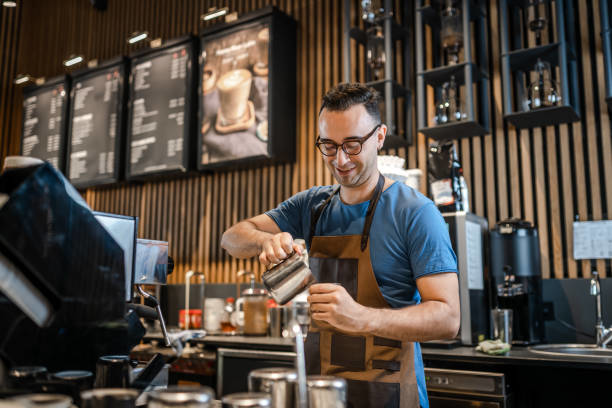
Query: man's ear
381,134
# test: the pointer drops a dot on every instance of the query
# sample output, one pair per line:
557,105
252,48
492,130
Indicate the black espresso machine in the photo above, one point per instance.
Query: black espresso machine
516,278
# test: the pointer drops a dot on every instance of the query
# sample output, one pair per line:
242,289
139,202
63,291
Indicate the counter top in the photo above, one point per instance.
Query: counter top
516,356
465,354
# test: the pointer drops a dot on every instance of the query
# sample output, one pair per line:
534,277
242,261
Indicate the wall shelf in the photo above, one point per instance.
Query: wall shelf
606,40
469,73
396,37
519,59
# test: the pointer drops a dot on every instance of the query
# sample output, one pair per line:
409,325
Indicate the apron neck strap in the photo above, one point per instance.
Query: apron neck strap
317,211
370,212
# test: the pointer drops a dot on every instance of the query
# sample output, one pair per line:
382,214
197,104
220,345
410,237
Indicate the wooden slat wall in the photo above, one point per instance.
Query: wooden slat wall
549,176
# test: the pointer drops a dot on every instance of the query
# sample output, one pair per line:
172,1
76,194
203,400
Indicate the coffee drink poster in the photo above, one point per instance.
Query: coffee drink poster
234,105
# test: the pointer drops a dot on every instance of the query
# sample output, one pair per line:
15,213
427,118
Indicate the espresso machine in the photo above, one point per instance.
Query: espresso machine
516,278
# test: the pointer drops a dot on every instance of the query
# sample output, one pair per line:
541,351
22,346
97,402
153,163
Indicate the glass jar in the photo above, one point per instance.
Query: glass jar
254,302
543,92
451,33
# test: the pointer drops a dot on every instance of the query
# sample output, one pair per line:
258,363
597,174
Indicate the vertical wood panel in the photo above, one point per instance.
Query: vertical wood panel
548,176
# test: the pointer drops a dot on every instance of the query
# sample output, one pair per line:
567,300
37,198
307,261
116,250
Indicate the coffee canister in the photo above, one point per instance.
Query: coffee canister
326,392
109,398
247,399
187,397
278,382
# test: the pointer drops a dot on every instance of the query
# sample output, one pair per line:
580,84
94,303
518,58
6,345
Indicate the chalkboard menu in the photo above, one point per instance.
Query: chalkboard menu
160,110
95,131
43,132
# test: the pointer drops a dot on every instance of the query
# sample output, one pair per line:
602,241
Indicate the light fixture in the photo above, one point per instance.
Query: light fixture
214,13
73,60
22,79
9,3
137,36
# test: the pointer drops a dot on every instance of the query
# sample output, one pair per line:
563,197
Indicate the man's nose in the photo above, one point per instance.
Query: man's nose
341,157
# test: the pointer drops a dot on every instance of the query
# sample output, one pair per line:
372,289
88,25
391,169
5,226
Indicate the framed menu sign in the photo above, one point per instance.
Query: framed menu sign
95,128
43,133
160,110
247,91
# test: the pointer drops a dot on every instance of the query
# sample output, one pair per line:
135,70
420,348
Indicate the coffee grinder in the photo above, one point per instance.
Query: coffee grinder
516,278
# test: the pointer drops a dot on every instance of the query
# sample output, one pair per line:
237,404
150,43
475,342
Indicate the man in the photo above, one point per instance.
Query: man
381,252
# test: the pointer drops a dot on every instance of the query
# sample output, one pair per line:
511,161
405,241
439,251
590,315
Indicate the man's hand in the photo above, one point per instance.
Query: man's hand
278,247
332,304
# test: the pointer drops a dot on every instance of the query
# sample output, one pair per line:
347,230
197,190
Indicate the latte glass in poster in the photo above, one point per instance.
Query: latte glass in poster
247,92
235,95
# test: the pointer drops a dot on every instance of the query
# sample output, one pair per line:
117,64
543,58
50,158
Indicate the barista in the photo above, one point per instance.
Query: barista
385,244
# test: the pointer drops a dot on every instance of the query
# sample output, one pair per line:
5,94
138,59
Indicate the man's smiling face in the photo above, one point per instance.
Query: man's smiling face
340,126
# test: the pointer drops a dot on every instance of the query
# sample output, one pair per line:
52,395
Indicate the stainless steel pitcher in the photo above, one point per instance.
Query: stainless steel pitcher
279,382
326,392
288,278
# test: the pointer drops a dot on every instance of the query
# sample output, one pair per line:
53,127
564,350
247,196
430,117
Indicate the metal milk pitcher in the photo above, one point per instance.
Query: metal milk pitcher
288,278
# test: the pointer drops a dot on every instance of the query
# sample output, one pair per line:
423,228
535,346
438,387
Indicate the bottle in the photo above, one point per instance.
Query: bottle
226,323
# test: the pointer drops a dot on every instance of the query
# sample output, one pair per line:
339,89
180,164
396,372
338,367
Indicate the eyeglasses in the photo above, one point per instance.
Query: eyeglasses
351,146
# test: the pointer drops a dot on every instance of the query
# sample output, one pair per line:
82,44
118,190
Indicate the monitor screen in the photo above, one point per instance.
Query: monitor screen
123,229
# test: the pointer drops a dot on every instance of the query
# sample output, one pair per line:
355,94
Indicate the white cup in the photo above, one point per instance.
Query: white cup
213,313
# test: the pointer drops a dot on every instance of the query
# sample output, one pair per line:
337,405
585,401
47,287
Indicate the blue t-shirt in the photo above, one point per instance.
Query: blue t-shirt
408,239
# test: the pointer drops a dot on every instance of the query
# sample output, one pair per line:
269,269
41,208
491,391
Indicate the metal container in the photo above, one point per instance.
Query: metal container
326,392
187,397
43,401
113,372
246,399
24,376
278,382
109,398
289,278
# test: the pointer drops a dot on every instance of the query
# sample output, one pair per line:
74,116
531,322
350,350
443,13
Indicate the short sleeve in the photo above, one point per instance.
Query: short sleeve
289,215
429,245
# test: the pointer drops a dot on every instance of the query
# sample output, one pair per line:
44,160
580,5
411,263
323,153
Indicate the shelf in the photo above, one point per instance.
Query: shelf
526,58
455,130
431,13
543,117
397,32
398,90
395,142
437,76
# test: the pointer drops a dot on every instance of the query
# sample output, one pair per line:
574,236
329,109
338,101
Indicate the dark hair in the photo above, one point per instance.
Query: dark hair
344,96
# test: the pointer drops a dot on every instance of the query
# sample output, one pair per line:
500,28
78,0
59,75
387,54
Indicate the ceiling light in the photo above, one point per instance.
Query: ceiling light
22,79
73,60
137,37
214,13
9,3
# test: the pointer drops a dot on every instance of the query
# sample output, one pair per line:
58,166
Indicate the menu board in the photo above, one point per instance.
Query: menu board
95,126
160,110
234,94
44,117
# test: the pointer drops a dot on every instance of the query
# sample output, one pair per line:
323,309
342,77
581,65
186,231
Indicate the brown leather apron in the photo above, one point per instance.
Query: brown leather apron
379,371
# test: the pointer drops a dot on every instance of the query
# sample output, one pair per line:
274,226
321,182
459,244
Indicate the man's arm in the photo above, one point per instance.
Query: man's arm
259,236
436,317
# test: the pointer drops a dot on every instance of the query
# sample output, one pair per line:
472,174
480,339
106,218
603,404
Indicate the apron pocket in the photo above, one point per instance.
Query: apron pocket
383,341
365,394
332,270
348,351
393,365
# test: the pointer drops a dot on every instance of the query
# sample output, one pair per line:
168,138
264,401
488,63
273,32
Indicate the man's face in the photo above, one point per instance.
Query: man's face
339,126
